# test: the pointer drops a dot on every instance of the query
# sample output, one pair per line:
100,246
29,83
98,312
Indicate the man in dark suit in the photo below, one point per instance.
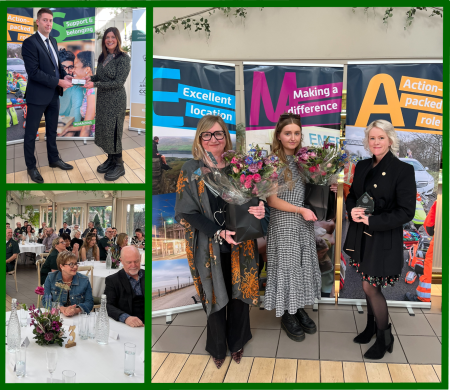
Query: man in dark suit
64,229
125,290
105,243
46,80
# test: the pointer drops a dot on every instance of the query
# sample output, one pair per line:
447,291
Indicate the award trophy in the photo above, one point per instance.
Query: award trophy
367,203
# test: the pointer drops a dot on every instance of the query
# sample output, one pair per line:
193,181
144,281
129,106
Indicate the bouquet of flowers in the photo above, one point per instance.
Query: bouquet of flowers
246,177
321,165
115,257
47,324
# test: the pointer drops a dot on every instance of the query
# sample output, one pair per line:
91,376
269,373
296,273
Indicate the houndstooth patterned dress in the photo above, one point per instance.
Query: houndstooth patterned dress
293,275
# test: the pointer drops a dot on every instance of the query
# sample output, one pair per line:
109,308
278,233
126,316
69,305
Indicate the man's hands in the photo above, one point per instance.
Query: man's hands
134,322
64,83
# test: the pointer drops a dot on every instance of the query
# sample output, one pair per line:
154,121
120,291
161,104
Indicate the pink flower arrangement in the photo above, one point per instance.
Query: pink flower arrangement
39,290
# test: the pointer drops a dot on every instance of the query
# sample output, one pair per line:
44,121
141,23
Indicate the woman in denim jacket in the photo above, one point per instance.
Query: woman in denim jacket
68,287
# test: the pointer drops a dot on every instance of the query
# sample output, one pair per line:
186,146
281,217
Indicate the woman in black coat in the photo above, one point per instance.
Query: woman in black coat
375,242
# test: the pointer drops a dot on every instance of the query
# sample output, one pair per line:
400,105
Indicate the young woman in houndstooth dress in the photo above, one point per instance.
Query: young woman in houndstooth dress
293,275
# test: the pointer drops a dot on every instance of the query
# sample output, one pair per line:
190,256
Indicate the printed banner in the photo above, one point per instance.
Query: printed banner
74,30
19,27
409,95
312,91
183,92
138,73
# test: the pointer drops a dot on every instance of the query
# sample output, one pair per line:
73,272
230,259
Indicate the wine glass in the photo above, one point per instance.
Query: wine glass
52,357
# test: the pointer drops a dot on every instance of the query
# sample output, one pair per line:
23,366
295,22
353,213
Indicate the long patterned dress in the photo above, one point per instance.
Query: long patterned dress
293,274
111,103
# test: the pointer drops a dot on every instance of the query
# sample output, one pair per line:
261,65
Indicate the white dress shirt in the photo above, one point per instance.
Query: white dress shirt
51,46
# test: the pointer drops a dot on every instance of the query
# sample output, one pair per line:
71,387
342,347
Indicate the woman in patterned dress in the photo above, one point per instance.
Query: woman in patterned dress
293,274
112,72
225,273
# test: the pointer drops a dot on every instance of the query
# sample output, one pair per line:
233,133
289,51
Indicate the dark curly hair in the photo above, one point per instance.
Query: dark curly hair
65,55
87,59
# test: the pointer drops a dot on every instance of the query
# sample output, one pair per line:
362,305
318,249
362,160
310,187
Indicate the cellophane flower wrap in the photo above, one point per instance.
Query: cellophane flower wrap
47,324
246,175
321,165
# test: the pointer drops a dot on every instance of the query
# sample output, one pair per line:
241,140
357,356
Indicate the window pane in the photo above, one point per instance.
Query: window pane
101,216
135,218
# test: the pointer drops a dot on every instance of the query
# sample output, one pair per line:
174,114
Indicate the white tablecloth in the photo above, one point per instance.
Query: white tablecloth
93,363
32,248
100,273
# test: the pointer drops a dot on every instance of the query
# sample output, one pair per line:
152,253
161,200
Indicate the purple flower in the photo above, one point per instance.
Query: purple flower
39,290
253,168
39,330
32,307
48,336
55,326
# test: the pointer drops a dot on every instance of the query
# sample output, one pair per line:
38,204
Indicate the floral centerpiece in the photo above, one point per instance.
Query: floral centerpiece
47,324
319,167
115,257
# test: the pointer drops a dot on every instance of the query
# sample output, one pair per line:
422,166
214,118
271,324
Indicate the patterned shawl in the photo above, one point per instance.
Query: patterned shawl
204,254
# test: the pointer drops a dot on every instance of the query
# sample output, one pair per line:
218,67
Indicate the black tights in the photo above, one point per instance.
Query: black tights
376,305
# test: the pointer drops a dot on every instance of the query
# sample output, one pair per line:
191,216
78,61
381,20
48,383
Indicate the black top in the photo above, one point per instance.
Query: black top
11,248
102,244
50,263
205,225
76,241
155,150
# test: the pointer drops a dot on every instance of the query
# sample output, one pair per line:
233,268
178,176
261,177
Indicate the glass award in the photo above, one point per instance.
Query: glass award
367,203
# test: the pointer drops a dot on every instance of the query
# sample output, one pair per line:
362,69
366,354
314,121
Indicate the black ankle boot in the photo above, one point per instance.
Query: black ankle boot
116,171
292,327
306,323
103,168
366,335
384,342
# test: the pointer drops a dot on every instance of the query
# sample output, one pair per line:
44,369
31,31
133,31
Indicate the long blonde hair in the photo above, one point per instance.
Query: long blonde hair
277,146
54,243
203,125
85,245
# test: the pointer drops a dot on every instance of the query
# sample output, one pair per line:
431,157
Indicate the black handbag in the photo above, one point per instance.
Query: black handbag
239,220
321,201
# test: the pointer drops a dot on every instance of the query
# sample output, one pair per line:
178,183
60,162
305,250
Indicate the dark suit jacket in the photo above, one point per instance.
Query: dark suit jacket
42,79
66,230
119,294
393,189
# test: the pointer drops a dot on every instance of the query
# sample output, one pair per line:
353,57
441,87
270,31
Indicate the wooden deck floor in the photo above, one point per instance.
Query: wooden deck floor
85,170
185,368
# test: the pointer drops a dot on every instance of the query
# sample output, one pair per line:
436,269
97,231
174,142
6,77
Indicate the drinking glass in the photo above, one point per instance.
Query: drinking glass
23,318
84,326
130,353
91,320
21,362
69,376
52,360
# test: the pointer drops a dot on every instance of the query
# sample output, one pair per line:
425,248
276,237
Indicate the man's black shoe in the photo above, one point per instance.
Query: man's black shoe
61,164
35,175
306,323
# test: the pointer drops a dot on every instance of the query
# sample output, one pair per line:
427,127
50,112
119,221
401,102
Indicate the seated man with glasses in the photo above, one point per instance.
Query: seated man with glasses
68,287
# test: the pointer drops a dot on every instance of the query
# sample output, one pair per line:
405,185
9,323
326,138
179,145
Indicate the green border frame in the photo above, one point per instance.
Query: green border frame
445,202
99,187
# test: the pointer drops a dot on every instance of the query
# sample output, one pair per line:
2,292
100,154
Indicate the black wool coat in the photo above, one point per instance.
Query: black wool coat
393,189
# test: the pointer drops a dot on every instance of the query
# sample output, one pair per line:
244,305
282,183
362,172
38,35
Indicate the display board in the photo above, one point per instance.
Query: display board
138,73
184,90
409,95
314,91
19,27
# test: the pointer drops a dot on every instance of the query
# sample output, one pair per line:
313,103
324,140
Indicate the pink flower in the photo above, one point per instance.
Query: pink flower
242,179
48,336
39,330
256,177
260,164
324,173
235,170
274,175
233,160
312,169
253,168
53,311
312,154
248,184
255,190
39,291
329,165
304,156
249,178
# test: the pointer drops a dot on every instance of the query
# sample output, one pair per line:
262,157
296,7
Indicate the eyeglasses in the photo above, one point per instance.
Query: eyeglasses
72,265
70,67
287,115
218,135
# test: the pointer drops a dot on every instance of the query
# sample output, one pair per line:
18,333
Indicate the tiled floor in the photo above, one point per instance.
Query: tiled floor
417,338
85,159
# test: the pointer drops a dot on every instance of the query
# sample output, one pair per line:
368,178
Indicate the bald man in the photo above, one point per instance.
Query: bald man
125,290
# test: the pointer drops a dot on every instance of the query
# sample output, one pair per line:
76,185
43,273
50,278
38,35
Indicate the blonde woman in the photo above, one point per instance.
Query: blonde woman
90,250
375,242
122,240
